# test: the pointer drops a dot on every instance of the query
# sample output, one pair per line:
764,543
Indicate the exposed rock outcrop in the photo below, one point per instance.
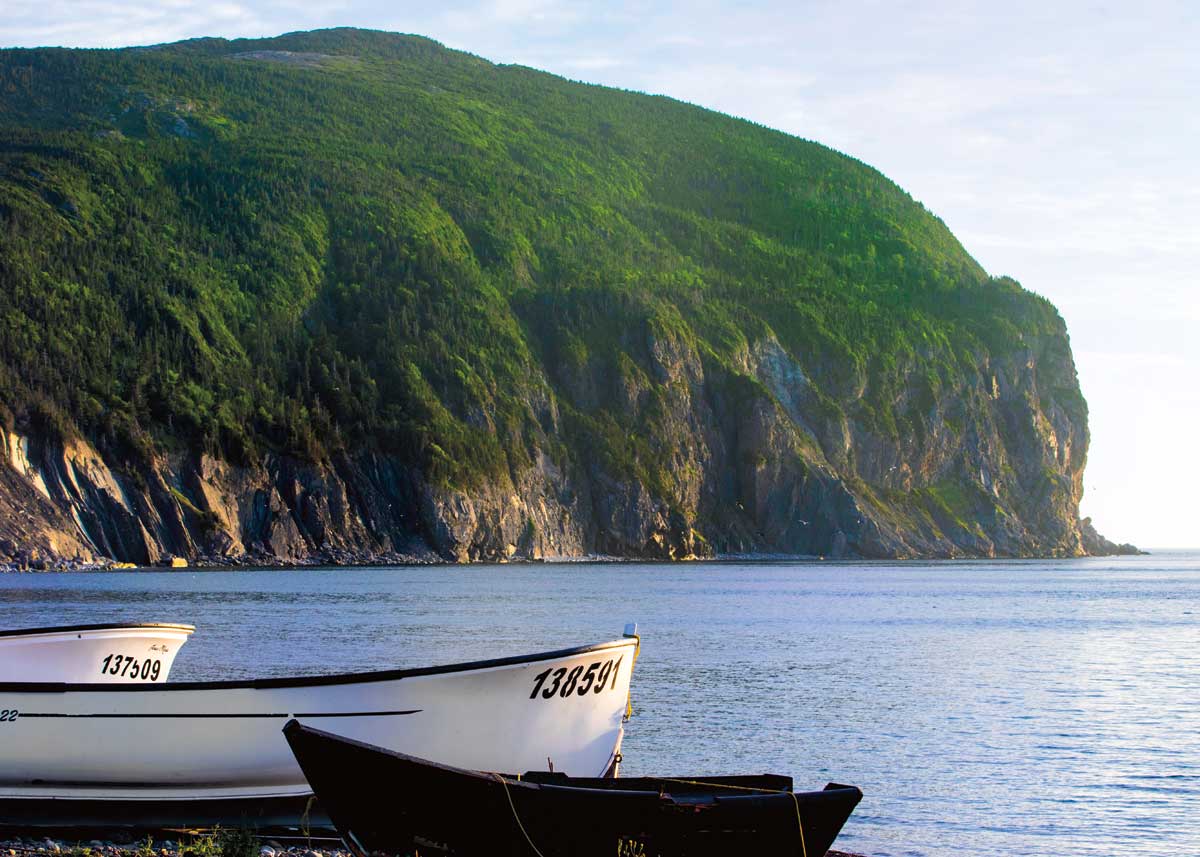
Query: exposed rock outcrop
752,462
1096,545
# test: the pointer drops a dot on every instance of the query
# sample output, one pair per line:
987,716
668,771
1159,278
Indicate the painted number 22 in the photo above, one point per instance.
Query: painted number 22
578,681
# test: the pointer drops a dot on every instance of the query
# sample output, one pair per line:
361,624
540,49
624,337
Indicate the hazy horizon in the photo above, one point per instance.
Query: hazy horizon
1053,142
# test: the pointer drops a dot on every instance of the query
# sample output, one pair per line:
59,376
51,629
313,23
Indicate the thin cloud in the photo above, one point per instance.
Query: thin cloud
594,63
115,24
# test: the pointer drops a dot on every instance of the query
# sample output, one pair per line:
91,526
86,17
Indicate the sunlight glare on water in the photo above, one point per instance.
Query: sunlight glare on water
1016,708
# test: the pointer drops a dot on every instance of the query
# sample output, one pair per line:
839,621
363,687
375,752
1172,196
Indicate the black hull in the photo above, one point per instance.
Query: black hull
394,804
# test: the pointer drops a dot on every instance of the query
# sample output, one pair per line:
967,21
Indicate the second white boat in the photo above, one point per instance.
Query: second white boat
114,652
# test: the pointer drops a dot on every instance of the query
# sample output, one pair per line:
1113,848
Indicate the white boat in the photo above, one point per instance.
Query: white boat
213,752
85,654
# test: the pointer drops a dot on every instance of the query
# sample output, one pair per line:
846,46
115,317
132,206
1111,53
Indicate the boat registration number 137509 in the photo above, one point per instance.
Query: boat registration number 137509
562,682
124,665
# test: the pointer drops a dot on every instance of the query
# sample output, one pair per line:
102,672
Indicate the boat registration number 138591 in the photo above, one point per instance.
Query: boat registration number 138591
562,682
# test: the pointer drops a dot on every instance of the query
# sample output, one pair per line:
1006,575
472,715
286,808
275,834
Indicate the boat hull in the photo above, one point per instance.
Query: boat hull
221,741
96,654
389,803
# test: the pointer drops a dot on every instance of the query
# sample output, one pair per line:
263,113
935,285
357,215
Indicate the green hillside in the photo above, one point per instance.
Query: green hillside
343,240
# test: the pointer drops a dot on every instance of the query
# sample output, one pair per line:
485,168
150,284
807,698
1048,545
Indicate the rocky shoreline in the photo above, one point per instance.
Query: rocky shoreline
208,844
251,562
35,566
213,844
319,560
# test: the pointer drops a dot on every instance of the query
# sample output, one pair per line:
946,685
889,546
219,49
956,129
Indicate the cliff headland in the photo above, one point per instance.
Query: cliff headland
347,295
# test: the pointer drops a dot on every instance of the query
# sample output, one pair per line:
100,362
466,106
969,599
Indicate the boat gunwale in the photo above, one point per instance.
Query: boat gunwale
103,626
283,682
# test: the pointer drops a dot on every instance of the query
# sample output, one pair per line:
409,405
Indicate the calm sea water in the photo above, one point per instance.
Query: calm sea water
1016,708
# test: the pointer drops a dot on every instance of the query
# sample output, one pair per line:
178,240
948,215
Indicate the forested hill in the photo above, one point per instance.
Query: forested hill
346,294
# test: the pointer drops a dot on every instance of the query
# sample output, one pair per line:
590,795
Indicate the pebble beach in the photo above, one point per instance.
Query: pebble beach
184,845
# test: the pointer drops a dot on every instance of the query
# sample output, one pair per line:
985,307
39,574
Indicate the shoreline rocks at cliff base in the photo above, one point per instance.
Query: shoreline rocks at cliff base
1097,545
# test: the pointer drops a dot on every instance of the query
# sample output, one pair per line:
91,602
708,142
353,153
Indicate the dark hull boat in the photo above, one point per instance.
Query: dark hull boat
390,803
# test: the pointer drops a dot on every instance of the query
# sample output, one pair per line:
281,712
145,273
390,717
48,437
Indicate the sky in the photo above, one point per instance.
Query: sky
1059,141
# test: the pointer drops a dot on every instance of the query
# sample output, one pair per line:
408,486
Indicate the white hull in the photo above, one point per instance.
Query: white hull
223,740
91,654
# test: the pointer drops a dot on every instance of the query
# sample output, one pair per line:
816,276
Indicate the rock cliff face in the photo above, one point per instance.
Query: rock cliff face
757,466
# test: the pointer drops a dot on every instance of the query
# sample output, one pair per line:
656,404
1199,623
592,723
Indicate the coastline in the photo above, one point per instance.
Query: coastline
350,560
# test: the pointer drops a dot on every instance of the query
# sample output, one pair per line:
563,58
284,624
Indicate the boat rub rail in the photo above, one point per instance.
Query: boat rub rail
311,680
105,626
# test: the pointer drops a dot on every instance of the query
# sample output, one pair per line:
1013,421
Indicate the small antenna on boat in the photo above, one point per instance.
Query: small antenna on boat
631,633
